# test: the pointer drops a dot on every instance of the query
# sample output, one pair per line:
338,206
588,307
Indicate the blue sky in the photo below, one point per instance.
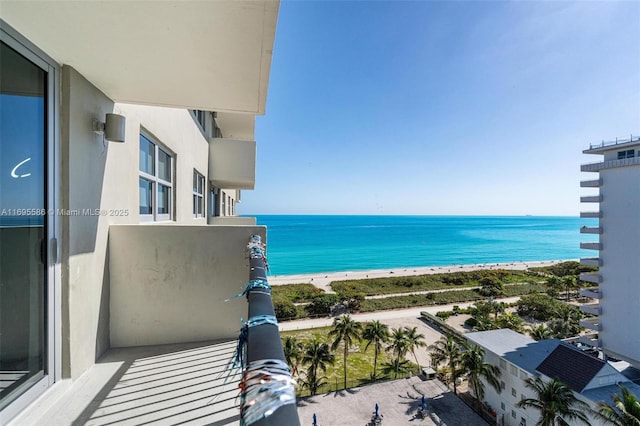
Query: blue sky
461,108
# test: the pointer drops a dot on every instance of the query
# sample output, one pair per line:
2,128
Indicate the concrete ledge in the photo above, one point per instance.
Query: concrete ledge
168,283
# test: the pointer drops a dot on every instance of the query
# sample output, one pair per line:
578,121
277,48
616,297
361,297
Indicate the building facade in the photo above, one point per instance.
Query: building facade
615,193
520,358
112,240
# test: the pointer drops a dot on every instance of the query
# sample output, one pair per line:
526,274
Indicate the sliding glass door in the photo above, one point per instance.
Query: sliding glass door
25,228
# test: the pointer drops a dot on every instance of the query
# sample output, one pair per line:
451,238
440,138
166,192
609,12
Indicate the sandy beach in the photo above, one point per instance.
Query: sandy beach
322,280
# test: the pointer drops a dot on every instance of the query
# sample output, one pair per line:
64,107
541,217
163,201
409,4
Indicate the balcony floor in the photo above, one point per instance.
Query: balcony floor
169,384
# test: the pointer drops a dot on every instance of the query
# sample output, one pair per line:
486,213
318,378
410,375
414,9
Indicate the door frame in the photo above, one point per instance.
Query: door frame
53,300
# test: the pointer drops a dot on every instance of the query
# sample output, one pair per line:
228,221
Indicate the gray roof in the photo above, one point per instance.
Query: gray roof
516,348
605,393
571,366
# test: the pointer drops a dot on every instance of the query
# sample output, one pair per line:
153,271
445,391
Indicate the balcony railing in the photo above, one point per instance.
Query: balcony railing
591,308
268,397
591,277
617,141
591,261
591,340
591,230
591,323
610,164
591,292
595,183
591,246
591,199
591,215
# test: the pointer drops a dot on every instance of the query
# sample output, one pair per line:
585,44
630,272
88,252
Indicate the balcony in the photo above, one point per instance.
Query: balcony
591,324
232,163
591,292
591,199
591,340
591,261
592,215
610,164
185,383
595,183
591,308
591,230
591,246
591,277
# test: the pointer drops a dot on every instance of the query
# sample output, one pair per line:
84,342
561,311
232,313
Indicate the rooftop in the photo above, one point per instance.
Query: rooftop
516,348
618,143
572,366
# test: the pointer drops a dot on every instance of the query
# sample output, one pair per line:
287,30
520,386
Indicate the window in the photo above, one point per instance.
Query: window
198,194
502,385
626,154
513,370
502,406
523,375
514,393
523,421
223,207
513,413
503,364
155,181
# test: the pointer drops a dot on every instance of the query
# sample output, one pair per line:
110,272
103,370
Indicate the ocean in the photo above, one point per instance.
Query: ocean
312,244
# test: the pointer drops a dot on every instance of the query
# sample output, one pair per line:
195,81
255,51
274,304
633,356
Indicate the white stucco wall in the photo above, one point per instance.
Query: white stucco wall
169,283
101,175
620,267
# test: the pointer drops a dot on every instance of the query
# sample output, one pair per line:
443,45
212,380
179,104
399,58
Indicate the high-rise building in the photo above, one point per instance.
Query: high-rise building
617,283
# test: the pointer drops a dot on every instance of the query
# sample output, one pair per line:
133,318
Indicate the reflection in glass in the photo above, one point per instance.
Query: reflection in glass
22,225
146,194
147,156
164,166
164,194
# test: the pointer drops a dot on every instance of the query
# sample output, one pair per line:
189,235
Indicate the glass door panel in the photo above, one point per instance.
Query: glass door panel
23,233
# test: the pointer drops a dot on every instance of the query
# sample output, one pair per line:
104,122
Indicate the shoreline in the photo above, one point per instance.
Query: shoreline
323,279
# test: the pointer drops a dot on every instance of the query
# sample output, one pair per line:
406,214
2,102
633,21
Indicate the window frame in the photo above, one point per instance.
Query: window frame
198,197
156,181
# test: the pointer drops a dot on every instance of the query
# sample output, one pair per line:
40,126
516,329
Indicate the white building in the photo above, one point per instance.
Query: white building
105,245
617,287
519,357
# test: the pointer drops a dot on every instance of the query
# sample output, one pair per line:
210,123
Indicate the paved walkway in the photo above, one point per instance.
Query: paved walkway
399,401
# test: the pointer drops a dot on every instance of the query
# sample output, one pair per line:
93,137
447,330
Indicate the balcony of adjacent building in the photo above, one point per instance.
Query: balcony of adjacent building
591,215
621,152
591,339
592,323
172,335
591,230
591,277
591,308
591,246
593,183
591,261
591,292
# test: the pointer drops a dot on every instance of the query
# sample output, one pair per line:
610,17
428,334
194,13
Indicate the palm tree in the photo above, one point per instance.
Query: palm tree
398,346
414,340
448,349
472,362
394,366
540,333
318,356
511,321
292,353
556,402
624,412
377,333
345,330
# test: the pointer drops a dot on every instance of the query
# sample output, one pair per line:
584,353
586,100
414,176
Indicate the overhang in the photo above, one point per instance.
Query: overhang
211,55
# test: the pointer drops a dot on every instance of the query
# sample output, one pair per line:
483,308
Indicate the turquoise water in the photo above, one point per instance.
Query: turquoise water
309,244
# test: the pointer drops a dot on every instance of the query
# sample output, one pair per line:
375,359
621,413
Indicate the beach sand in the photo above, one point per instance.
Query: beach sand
322,280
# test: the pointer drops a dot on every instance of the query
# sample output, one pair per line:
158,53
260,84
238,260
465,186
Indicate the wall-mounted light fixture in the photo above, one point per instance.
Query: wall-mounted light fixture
113,127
